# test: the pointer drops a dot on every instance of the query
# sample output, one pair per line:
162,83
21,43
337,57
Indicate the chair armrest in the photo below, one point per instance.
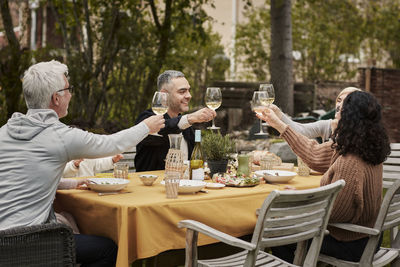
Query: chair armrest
356,228
387,184
204,229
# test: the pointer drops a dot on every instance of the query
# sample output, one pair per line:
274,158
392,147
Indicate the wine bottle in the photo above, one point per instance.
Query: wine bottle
197,159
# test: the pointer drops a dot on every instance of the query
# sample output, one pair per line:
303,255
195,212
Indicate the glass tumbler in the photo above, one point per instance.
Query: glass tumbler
121,170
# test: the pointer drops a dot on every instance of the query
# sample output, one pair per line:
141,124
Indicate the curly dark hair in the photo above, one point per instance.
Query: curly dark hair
360,130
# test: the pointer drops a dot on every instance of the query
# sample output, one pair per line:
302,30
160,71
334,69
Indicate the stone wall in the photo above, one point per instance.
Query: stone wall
385,85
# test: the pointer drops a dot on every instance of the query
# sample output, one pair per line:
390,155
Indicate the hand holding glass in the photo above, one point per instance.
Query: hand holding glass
159,104
258,104
213,101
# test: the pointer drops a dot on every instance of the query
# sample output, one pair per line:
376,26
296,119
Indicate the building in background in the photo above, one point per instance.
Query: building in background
34,25
227,14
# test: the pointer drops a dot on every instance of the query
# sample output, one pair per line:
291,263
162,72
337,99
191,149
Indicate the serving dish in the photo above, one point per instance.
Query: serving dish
215,185
236,181
276,176
189,186
107,184
148,179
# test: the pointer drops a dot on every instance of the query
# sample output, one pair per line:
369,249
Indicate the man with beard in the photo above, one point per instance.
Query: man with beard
151,152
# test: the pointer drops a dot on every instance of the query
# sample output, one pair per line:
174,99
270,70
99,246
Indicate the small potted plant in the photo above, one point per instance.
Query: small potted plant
218,149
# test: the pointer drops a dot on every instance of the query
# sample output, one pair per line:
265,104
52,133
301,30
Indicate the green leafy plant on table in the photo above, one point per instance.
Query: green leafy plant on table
218,149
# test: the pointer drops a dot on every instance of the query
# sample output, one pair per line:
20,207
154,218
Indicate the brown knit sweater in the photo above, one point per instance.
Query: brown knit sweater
360,199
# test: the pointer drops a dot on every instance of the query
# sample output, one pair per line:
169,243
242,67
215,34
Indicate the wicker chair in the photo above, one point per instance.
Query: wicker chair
39,245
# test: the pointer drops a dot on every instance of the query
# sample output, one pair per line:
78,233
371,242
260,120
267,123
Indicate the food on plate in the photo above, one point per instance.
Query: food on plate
234,180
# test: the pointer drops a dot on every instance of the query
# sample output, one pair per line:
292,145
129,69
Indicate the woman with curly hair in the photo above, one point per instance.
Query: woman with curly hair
358,147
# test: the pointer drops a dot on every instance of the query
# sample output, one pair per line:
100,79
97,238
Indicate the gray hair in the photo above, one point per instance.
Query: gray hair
166,77
41,81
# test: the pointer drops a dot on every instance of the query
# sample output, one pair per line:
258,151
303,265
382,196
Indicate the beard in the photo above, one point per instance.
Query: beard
178,107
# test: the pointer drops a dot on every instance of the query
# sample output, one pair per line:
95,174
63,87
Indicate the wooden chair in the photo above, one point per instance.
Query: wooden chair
391,167
388,217
129,157
43,245
285,217
391,173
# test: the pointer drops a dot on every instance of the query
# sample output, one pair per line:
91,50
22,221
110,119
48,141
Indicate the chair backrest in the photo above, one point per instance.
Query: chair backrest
388,217
129,157
391,167
39,245
293,216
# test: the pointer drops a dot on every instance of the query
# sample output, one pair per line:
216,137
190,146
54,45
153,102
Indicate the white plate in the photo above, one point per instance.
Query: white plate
214,185
189,186
107,184
276,176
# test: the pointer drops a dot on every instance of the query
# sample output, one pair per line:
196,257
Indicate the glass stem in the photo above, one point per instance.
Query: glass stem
261,129
213,125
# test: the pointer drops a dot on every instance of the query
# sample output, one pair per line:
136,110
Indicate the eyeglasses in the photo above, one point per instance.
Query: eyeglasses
70,88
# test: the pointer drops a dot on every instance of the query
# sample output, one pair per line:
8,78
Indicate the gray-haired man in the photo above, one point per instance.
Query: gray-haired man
35,148
151,152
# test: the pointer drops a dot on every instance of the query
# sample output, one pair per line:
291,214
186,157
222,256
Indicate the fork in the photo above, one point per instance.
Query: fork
113,193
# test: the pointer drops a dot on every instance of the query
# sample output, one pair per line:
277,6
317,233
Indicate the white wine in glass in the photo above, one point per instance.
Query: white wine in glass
160,110
213,104
258,104
159,104
213,101
267,101
269,88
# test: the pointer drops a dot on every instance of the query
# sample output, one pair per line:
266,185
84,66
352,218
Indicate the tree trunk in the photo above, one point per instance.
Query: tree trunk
11,64
164,31
281,66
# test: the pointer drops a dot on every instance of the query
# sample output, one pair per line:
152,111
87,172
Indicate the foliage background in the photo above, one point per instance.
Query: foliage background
116,49
328,34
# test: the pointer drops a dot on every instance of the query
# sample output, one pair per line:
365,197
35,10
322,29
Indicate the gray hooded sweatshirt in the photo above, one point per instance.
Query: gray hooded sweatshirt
34,149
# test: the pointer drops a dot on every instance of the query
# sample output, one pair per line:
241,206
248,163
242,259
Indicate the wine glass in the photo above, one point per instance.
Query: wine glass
269,88
159,104
213,100
258,103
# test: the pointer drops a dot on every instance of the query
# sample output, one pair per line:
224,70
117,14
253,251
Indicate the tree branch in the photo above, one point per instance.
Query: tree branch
8,25
154,13
89,32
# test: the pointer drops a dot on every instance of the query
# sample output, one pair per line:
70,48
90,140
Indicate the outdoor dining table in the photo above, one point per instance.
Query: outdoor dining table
143,222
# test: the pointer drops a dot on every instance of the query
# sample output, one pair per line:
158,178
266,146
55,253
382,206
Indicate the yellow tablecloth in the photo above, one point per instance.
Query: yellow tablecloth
144,222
